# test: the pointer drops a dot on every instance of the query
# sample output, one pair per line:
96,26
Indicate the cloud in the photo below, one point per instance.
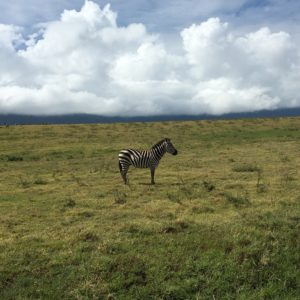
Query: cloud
241,73
84,62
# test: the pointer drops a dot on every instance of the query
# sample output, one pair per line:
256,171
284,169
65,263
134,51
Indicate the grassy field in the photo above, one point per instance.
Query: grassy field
222,222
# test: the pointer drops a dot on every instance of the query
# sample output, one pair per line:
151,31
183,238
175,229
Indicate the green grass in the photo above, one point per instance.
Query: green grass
222,222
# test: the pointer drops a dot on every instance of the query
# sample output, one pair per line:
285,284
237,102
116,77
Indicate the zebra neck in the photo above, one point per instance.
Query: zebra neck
158,151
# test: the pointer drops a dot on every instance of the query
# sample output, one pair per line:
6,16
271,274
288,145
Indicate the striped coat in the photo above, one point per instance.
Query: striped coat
145,158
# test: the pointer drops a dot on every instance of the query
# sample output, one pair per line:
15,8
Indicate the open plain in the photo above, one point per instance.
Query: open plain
222,221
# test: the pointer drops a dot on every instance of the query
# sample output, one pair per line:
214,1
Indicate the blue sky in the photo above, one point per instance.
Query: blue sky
143,57
161,16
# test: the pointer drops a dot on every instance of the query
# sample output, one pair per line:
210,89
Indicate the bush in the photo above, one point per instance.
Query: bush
70,203
14,158
246,168
237,200
208,186
40,181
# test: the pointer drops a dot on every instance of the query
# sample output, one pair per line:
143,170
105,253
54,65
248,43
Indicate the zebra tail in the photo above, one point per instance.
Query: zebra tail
120,167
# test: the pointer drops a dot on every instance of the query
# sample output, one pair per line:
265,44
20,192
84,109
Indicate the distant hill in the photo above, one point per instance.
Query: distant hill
18,119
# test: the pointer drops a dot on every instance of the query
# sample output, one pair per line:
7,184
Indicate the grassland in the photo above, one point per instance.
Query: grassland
222,222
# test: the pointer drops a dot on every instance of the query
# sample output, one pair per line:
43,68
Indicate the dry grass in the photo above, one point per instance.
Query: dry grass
222,221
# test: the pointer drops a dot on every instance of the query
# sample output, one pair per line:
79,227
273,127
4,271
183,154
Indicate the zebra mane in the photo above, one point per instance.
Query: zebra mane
159,143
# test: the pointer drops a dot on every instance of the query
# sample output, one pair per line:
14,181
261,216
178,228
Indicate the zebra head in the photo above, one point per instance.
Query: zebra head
169,147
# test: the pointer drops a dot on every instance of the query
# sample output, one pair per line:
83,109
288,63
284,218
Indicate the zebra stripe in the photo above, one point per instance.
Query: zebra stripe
145,158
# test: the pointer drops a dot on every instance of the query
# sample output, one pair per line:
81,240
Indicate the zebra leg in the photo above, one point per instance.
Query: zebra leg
124,176
123,171
152,175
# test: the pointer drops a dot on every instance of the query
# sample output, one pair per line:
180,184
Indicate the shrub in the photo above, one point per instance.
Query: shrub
246,168
70,203
237,200
89,237
208,186
24,183
14,158
40,181
120,198
203,210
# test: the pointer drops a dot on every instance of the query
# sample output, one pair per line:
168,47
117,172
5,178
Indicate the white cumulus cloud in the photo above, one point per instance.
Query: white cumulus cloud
86,63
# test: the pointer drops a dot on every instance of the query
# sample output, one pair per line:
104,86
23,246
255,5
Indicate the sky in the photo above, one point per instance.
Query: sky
148,57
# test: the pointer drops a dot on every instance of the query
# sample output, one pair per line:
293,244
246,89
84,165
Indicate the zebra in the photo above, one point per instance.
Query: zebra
145,158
